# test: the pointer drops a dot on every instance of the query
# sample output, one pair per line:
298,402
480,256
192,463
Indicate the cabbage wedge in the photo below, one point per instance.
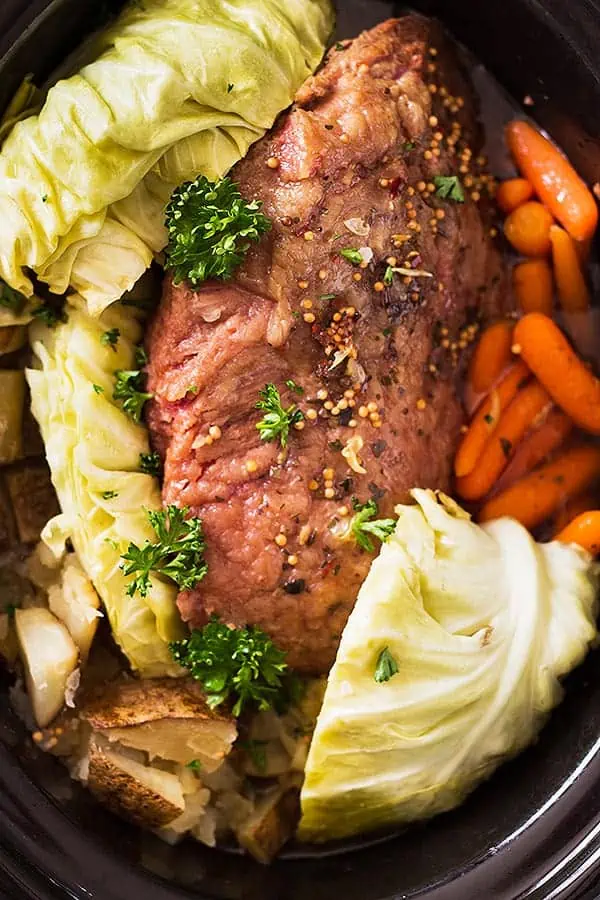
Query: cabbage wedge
173,89
480,624
93,449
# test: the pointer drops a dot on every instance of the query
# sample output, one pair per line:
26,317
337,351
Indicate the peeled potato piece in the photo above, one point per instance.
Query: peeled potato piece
75,602
146,796
49,656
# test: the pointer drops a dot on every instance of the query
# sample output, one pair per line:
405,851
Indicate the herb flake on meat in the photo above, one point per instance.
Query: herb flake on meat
277,421
211,228
449,188
177,553
386,666
242,665
352,255
364,524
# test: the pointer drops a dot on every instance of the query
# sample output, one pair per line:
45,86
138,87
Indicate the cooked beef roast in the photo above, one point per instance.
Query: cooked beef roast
377,343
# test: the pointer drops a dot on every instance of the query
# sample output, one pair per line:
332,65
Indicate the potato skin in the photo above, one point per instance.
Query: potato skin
125,796
134,702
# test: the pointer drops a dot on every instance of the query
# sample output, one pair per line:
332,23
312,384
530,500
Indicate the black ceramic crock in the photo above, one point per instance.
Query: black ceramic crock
533,831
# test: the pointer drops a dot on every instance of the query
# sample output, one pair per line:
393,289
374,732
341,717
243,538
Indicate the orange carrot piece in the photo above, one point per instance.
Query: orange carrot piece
486,419
528,229
492,355
513,193
534,498
573,508
513,425
537,445
549,355
573,292
554,179
584,530
533,287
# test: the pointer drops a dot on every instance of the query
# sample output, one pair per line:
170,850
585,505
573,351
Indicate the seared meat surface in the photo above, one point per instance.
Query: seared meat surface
379,354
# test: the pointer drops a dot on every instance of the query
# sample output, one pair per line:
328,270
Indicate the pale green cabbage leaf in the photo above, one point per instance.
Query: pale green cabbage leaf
177,88
94,447
482,623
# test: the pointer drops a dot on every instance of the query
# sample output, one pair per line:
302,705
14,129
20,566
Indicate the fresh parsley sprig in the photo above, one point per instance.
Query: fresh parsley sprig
277,421
177,553
363,524
241,665
449,188
211,228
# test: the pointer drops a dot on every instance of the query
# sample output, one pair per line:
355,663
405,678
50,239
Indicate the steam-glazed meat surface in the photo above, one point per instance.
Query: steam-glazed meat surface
379,359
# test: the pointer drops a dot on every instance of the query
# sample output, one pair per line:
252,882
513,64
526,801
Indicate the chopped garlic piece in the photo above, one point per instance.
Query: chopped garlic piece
350,453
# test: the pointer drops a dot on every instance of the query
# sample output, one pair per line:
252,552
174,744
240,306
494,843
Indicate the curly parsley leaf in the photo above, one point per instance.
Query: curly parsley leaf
110,338
150,463
11,299
277,421
211,228
177,553
241,665
386,666
130,392
51,316
364,524
449,188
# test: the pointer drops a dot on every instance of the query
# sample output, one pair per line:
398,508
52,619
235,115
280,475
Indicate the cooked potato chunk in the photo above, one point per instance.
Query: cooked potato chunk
33,499
271,824
75,602
12,398
146,796
166,718
49,657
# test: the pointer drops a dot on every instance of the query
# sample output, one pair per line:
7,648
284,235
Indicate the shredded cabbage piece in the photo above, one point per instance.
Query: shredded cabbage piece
93,449
175,88
448,665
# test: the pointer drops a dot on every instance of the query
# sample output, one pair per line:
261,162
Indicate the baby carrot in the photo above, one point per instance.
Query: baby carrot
550,356
528,229
573,508
584,530
537,445
491,357
554,179
513,425
534,498
512,193
573,292
532,284
486,419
